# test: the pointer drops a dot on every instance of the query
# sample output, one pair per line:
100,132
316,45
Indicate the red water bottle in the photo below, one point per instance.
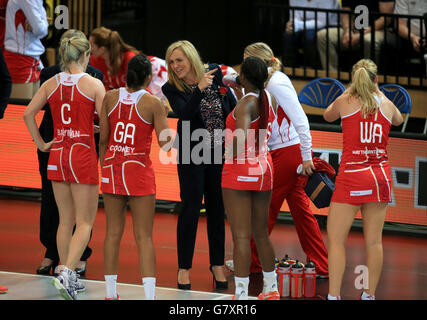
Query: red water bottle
309,279
283,278
297,273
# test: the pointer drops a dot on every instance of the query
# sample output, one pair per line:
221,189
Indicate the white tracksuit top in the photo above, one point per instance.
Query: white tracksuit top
17,38
291,124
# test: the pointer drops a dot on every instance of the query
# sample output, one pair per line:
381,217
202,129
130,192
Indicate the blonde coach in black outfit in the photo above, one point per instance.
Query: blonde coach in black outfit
201,101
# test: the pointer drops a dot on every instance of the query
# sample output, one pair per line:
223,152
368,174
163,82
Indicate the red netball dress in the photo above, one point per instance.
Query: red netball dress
364,174
73,155
127,168
252,169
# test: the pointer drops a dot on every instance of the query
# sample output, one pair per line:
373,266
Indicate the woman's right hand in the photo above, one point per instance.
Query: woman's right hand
290,27
207,79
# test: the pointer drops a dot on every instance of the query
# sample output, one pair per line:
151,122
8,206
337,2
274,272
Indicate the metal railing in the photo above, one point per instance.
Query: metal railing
83,15
394,65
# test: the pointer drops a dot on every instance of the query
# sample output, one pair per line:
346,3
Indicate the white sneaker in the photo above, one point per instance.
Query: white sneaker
365,296
58,269
79,285
230,265
241,292
65,283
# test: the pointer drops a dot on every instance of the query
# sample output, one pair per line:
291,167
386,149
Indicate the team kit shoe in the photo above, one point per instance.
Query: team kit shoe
271,295
3,289
80,285
365,296
66,283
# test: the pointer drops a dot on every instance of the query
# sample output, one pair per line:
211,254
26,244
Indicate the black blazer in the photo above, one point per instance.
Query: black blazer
5,85
187,106
46,126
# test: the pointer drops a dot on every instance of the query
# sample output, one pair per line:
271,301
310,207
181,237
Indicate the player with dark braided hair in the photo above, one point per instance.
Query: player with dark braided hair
247,178
127,120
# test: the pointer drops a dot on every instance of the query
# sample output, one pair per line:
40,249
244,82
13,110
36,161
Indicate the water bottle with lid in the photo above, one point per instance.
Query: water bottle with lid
309,279
283,278
276,263
297,272
288,259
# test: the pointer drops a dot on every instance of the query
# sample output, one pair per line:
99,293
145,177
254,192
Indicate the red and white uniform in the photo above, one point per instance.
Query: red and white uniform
127,168
290,144
3,4
160,76
23,47
364,174
252,169
227,70
291,125
73,155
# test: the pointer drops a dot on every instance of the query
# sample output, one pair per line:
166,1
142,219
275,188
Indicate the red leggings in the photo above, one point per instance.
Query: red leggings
285,163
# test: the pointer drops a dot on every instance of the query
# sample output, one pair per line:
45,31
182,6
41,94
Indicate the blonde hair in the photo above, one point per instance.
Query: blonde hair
113,42
263,51
363,85
72,50
68,35
195,61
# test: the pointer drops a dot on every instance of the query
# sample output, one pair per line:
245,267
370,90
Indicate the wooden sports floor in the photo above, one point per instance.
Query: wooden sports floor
404,274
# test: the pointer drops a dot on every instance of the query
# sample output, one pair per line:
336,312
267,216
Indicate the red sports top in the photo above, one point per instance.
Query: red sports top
73,155
252,169
127,167
365,140
252,150
364,174
110,81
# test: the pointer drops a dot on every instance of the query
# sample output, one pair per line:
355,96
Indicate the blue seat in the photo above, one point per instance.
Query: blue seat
401,99
321,92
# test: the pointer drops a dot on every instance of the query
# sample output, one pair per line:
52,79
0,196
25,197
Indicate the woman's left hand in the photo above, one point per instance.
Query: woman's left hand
308,167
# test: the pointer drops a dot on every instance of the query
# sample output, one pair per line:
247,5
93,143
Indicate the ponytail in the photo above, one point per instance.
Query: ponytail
276,65
363,86
72,50
255,71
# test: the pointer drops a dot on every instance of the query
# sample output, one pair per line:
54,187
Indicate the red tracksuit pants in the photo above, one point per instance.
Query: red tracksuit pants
285,163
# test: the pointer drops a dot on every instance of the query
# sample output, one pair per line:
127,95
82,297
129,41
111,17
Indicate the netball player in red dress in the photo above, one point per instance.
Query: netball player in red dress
247,178
127,120
364,178
73,97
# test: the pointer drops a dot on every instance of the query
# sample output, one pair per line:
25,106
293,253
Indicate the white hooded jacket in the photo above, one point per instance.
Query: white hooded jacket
18,38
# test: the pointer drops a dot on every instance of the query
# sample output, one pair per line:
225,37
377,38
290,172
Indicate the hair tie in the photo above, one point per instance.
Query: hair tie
273,59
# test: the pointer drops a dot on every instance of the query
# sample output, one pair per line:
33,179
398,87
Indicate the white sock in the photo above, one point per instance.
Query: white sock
270,281
111,286
149,287
242,285
366,296
333,298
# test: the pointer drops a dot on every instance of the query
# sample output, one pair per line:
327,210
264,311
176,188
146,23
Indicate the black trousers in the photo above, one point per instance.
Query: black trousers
195,182
49,215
